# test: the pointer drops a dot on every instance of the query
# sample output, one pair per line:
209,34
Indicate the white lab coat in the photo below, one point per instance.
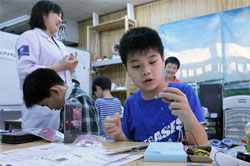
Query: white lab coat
36,50
40,117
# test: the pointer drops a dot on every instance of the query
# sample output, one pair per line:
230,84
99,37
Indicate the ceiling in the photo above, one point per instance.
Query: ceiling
77,10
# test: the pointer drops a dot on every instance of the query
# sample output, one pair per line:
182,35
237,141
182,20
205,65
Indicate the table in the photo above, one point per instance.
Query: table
110,145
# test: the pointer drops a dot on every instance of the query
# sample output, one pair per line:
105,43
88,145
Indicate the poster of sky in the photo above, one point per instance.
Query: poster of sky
211,47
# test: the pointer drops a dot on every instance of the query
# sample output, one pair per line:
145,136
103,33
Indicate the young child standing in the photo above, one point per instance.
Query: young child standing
106,104
172,65
46,88
177,114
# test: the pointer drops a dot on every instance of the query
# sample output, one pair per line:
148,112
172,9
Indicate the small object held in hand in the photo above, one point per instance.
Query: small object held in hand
158,97
71,57
110,117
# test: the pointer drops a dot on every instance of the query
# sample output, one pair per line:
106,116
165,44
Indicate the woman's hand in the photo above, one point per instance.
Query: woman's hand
74,64
69,62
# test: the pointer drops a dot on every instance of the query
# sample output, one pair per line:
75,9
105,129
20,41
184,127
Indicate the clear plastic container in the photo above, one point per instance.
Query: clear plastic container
72,120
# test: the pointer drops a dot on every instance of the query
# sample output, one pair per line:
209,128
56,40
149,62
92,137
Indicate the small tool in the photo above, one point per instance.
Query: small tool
221,144
158,97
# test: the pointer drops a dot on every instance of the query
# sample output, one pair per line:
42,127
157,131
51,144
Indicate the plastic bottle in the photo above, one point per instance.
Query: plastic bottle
247,131
72,120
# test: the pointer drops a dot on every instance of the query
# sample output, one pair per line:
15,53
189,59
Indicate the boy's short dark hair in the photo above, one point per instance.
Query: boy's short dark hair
139,40
37,84
102,81
173,60
40,8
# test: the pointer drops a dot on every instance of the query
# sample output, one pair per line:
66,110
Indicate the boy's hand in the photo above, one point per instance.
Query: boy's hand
112,125
178,103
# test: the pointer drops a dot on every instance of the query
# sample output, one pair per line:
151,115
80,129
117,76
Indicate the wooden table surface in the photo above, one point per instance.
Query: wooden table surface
109,145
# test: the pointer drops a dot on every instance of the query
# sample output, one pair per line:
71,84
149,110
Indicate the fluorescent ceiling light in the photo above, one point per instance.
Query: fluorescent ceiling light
14,21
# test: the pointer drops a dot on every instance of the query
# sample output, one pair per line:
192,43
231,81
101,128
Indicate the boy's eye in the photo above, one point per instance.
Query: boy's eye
136,66
153,62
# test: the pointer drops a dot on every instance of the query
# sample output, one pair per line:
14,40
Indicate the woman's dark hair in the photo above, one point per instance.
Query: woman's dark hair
102,81
139,40
43,7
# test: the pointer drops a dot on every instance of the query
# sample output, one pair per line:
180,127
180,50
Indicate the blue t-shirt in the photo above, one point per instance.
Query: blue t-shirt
107,107
152,121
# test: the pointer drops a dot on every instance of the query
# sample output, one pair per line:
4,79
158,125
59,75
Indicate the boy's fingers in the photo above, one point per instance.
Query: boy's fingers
111,130
173,90
109,125
116,116
109,119
172,94
169,97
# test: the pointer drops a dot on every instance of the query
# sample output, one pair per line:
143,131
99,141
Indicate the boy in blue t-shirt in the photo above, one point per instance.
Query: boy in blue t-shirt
175,116
106,104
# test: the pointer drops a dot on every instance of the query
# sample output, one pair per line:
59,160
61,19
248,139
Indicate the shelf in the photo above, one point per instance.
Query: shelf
94,32
119,23
106,62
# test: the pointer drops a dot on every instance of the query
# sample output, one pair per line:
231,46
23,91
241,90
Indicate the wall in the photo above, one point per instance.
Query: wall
159,12
152,15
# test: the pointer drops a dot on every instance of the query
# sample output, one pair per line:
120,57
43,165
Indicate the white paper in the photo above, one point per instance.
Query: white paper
60,154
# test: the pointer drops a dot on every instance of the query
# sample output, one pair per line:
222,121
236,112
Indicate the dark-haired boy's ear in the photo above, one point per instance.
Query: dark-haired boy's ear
125,68
54,90
98,88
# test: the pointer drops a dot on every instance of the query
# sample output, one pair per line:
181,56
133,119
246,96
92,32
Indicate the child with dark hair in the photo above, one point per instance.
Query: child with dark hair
172,64
106,104
46,88
175,114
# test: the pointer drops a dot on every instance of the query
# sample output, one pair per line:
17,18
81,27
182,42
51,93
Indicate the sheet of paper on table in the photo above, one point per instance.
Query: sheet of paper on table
126,149
60,154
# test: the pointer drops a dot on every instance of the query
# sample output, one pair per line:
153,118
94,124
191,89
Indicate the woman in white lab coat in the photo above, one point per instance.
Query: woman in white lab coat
37,48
